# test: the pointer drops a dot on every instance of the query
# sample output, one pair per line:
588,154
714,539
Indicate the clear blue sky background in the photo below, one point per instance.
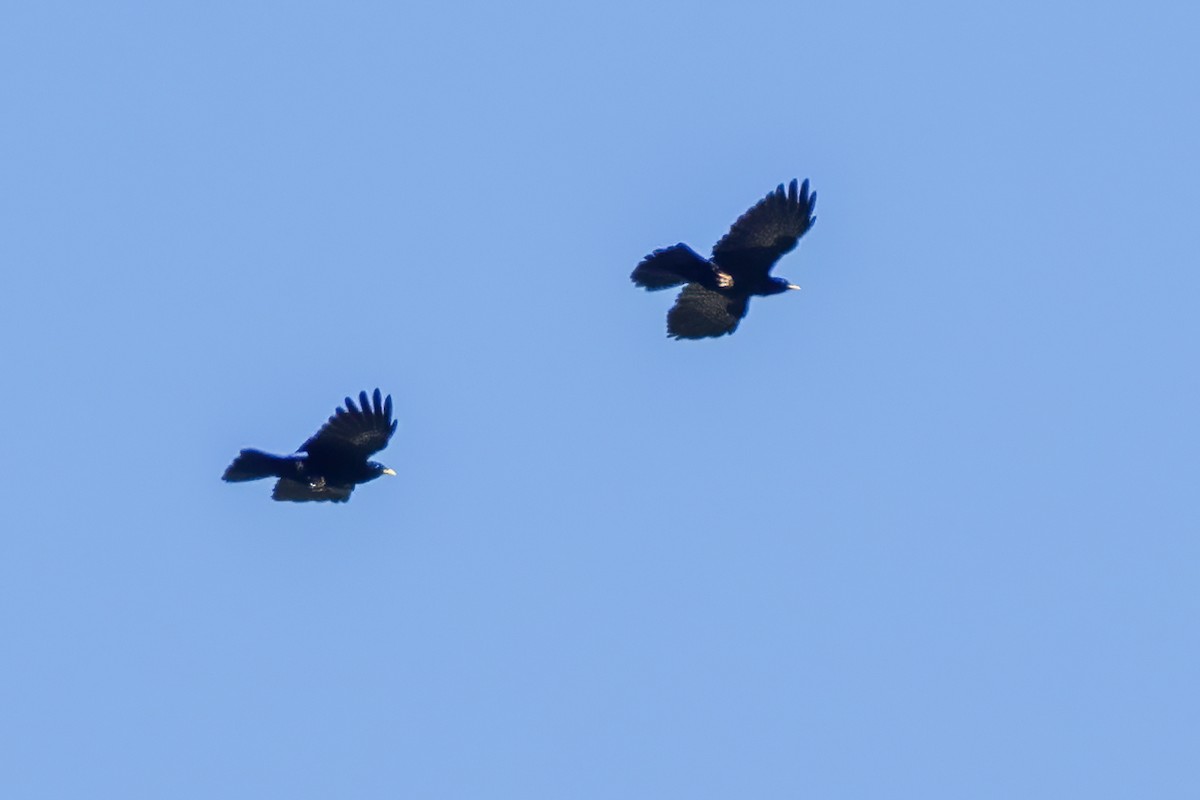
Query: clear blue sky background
926,529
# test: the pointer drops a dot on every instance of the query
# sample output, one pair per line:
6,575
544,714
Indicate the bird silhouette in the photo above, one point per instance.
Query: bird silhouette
718,290
332,461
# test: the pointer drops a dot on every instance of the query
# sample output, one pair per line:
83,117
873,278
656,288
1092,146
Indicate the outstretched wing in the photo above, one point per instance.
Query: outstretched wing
672,266
767,231
699,313
354,432
300,492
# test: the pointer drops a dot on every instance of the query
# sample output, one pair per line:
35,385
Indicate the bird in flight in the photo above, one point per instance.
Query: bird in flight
718,290
333,461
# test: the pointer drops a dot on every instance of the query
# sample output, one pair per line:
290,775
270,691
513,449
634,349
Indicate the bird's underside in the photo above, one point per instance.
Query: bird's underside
717,291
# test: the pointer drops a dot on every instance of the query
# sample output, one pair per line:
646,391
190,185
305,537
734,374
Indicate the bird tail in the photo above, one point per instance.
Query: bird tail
672,266
250,465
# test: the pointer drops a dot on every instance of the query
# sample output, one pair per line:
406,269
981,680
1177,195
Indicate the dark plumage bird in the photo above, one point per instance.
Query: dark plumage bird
719,289
333,461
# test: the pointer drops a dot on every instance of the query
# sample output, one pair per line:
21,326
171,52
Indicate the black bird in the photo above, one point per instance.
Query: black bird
332,462
718,290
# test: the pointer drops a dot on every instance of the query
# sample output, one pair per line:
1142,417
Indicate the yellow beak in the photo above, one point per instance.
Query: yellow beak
389,471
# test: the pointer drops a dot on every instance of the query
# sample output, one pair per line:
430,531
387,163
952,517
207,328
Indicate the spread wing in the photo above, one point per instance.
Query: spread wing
700,312
299,491
354,431
767,231
672,266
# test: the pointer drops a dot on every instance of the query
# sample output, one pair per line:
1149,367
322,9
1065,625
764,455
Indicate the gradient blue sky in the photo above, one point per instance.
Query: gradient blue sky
926,529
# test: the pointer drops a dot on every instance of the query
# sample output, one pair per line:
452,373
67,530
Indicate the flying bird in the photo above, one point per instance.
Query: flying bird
718,290
333,461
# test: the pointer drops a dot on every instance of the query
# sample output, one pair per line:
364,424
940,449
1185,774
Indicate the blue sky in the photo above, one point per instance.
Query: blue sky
925,529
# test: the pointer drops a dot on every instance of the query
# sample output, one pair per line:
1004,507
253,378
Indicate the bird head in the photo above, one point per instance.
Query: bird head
380,469
780,285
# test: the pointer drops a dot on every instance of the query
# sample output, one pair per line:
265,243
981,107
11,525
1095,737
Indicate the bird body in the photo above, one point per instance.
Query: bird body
331,462
717,291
